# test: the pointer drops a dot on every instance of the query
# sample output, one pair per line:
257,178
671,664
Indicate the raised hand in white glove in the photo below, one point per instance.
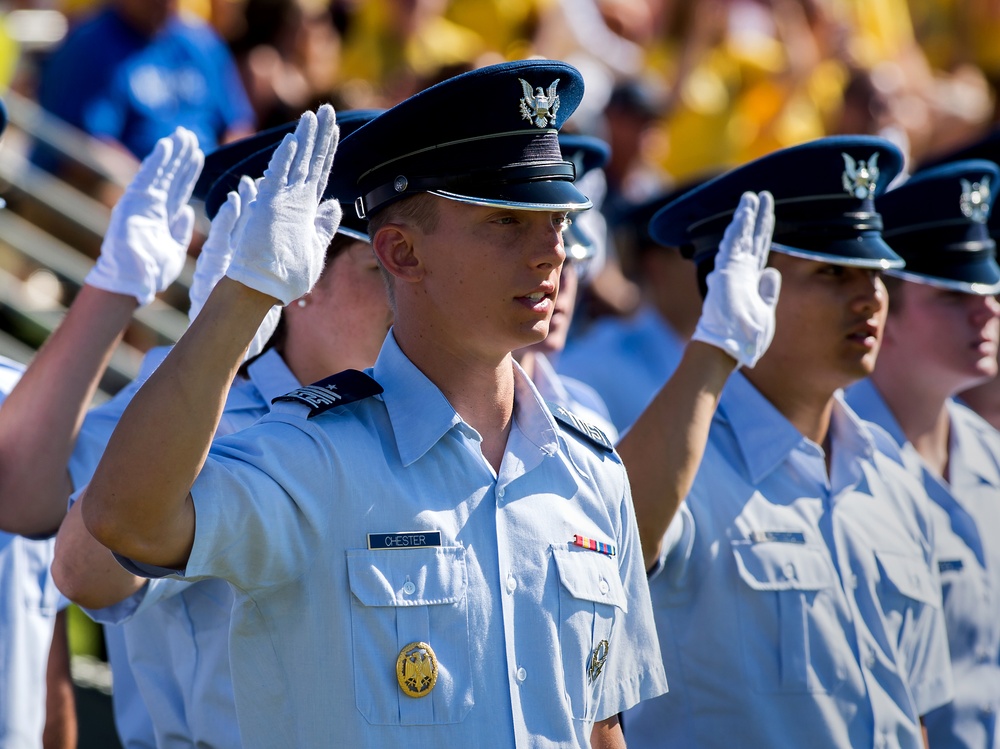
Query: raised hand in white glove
151,225
738,313
282,250
217,252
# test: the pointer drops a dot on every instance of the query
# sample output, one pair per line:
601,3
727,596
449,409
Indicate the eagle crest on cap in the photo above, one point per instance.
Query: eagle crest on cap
539,107
860,177
975,200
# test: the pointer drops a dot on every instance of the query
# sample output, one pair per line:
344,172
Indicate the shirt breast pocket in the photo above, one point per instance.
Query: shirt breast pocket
783,617
906,588
591,596
401,597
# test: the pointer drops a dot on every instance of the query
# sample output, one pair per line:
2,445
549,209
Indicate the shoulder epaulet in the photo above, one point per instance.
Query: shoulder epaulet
336,390
581,427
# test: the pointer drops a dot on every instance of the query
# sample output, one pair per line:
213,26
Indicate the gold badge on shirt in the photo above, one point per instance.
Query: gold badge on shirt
417,669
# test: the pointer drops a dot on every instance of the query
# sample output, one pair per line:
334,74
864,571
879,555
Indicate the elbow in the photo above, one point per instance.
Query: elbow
100,522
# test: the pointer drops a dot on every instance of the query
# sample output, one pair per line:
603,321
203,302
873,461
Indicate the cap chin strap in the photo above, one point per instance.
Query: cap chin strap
467,183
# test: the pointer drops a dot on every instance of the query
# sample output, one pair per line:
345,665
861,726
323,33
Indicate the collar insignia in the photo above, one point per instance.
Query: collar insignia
975,200
539,107
860,177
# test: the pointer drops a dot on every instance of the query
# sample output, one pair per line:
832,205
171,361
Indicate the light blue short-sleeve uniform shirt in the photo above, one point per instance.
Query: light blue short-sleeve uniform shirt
176,633
579,398
535,637
796,608
28,604
626,360
966,514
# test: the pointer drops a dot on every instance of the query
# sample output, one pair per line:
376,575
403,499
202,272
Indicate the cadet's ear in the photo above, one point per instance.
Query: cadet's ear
393,246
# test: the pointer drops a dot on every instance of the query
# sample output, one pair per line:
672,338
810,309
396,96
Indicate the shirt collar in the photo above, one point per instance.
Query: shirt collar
766,438
271,376
869,404
421,415
968,444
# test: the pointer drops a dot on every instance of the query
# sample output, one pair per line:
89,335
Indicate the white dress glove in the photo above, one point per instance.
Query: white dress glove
151,225
282,250
738,313
216,254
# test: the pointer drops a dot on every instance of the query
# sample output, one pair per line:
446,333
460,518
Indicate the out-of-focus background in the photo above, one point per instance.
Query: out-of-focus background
678,88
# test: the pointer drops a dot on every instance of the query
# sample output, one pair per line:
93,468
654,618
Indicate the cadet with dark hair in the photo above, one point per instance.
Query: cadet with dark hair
795,590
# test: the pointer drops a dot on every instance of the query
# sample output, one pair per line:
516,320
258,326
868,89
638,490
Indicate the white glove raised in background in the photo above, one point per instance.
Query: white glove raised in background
151,225
283,247
738,313
216,253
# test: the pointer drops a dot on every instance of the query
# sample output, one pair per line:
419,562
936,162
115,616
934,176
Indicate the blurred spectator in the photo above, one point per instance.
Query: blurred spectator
394,48
288,55
135,70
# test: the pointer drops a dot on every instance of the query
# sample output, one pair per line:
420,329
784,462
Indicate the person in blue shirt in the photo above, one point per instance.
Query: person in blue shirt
423,554
796,588
136,70
940,338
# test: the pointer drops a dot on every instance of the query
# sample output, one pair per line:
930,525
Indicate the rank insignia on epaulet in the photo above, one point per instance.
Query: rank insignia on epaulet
581,427
336,390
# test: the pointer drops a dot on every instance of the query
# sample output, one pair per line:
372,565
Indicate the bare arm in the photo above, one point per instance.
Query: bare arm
607,734
138,502
85,571
60,705
663,449
143,252
40,419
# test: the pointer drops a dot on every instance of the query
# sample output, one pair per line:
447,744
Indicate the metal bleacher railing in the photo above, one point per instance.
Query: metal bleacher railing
50,232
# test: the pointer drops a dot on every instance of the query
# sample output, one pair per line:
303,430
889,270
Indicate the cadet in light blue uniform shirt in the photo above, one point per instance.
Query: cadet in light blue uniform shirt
28,607
941,337
796,591
402,576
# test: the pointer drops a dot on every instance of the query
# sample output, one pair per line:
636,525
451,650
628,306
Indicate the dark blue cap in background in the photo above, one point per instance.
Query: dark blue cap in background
233,160
937,221
3,116
824,205
486,137
580,240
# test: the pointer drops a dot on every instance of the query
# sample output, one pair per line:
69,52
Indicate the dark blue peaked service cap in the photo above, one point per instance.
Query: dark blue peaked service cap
486,137
937,221
3,116
986,148
824,205
251,156
586,153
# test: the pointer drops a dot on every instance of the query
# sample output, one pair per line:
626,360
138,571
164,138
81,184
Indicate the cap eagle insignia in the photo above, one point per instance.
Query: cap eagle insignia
539,107
975,200
860,177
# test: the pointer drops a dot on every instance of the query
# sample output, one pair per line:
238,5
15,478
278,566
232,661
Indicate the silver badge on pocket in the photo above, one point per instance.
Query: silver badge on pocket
597,660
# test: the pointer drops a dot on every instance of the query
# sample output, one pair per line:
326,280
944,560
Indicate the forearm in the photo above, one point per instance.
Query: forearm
60,705
607,734
85,571
138,501
663,449
40,419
